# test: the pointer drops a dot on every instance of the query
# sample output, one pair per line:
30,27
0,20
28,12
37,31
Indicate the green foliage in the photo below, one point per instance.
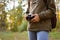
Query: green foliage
23,26
16,18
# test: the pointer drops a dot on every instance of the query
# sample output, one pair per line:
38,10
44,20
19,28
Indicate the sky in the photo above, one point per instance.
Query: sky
24,5
10,5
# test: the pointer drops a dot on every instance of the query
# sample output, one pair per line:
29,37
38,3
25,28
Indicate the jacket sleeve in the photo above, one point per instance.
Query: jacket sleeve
48,13
27,12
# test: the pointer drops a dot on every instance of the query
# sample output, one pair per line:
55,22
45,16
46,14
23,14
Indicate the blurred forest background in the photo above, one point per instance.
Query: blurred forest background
12,24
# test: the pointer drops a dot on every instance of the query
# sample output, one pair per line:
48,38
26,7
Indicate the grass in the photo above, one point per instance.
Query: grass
13,36
55,35
24,36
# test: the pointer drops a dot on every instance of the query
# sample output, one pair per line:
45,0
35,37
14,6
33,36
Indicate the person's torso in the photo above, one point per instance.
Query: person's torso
38,6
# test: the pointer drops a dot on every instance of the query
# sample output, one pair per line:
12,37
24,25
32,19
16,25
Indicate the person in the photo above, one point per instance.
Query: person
40,26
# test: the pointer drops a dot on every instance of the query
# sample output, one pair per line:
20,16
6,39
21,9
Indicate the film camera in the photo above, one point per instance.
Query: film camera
29,17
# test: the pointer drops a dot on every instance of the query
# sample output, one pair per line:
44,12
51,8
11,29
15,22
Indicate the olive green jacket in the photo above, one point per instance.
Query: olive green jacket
44,14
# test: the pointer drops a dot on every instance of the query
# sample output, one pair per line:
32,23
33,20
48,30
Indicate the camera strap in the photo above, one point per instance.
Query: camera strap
31,12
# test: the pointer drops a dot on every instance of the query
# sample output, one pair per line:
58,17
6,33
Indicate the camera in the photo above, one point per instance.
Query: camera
29,17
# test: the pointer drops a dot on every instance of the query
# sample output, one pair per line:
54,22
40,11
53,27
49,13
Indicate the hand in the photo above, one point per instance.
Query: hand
36,18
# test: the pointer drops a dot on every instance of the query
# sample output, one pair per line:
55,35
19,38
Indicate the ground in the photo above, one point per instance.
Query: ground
24,36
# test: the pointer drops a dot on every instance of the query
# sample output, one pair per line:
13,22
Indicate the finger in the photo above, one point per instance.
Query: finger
35,20
32,20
